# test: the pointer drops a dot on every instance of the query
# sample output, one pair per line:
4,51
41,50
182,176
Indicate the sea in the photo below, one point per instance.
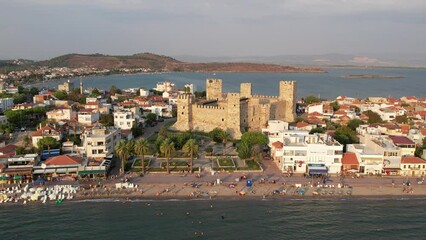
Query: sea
217,219
357,218
324,85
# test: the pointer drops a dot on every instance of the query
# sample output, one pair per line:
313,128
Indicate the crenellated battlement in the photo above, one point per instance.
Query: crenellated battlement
184,96
287,82
214,80
262,96
208,107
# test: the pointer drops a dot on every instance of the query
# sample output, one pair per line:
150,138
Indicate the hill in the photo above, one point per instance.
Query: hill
161,63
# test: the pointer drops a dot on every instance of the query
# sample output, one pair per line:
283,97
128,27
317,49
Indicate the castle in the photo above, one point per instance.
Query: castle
235,112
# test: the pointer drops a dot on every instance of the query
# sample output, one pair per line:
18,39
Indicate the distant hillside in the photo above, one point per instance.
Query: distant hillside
161,63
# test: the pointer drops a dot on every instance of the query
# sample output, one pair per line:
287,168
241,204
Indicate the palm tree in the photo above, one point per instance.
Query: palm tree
191,148
167,148
141,147
224,136
123,151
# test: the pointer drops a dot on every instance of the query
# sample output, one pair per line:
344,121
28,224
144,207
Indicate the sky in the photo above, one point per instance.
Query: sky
42,29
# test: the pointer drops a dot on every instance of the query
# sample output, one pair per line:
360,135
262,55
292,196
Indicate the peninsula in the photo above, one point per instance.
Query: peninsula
358,76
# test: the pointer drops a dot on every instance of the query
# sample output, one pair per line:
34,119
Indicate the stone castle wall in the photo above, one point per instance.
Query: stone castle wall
238,112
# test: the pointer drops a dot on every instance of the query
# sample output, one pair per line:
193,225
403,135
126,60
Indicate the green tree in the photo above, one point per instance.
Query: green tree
256,150
401,119
354,123
345,135
224,136
48,142
141,148
243,150
167,148
123,151
214,134
191,148
95,92
312,99
335,105
163,132
113,90
317,130
106,120
252,138
26,141
61,95
151,117
137,131
373,117
19,98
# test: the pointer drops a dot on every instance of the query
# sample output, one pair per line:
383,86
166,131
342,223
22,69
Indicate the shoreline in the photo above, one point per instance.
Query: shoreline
222,192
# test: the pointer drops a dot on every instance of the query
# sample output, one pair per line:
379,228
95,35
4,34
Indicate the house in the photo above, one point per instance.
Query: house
144,92
124,119
407,146
20,168
59,166
7,151
413,166
98,142
349,162
61,114
88,116
46,131
306,153
370,161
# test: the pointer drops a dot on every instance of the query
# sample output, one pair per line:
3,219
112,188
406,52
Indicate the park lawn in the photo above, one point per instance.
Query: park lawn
225,162
250,165
178,164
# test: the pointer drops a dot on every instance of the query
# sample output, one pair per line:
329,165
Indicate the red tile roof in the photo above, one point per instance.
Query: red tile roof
302,124
401,140
278,145
64,160
349,158
39,132
415,160
8,150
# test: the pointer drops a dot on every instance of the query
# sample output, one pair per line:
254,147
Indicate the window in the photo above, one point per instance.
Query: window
94,151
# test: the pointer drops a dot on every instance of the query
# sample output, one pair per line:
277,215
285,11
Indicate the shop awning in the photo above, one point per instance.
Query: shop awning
87,172
317,171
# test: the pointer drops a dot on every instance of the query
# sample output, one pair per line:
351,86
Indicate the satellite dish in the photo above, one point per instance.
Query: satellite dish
43,165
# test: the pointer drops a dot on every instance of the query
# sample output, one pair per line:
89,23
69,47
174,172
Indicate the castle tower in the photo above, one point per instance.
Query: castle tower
233,115
213,89
184,113
245,90
288,95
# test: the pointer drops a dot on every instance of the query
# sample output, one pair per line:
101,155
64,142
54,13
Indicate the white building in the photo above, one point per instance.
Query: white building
144,92
99,142
3,119
165,86
61,114
301,152
124,119
88,116
192,87
5,104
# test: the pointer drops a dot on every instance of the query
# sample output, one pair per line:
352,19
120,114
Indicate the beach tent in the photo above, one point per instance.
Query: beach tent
39,180
249,183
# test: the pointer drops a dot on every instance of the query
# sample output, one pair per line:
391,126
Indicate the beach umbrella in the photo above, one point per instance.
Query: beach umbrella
39,180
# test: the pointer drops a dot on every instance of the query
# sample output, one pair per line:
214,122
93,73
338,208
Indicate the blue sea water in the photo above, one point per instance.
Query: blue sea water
325,85
226,219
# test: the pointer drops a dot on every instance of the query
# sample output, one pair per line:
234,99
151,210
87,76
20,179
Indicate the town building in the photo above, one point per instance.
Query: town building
98,142
46,131
235,112
144,92
190,88
59,114
5,104
165,86
67,86
413,166
124,119
88,116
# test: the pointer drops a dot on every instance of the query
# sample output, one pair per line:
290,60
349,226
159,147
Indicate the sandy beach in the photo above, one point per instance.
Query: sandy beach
240,191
